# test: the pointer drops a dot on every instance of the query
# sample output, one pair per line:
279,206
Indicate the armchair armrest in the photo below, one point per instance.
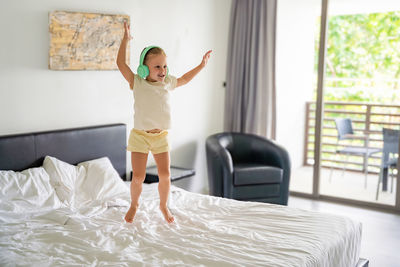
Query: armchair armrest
270,153
219,166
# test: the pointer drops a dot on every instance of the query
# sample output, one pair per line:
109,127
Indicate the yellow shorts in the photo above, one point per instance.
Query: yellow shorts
141,141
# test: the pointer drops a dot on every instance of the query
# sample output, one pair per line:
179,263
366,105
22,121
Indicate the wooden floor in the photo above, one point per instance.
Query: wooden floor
380,233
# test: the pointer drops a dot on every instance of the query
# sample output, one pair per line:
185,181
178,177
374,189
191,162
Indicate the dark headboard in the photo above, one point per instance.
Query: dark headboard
22,151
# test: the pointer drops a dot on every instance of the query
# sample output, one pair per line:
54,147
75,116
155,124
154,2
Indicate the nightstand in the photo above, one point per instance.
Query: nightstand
177,173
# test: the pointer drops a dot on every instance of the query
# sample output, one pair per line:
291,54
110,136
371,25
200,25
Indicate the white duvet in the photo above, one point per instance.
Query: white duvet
208,231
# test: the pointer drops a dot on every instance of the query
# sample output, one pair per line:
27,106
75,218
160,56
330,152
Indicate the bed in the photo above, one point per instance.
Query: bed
85,226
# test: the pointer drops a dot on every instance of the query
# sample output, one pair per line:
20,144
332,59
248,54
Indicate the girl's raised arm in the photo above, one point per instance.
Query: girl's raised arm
121,63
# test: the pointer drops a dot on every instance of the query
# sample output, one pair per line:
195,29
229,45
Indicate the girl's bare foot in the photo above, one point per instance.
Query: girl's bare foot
167,214
131,213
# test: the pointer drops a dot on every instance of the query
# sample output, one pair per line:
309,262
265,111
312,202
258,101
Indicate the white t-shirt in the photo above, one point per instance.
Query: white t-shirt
152,105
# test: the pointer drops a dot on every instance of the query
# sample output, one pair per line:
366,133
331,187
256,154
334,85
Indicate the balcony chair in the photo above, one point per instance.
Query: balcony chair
345,131
247,167
389,155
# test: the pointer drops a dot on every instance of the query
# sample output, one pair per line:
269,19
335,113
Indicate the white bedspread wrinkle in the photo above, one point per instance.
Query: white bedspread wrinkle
208,231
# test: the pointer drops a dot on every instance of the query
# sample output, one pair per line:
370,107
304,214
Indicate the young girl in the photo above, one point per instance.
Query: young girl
151,88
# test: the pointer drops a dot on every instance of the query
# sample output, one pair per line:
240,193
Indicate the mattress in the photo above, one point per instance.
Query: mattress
208,231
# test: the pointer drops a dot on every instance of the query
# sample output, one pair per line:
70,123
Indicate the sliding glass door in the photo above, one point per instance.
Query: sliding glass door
361,90
338,92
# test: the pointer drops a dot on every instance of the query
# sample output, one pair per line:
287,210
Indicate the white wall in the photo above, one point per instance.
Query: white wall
295,32
34,98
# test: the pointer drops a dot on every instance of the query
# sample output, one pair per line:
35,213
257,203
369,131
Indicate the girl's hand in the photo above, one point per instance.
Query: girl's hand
206,57
127,34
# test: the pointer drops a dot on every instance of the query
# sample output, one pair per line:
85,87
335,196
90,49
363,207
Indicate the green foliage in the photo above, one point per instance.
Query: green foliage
363,46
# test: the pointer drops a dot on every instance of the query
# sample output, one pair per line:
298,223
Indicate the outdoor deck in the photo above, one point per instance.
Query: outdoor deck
350,185
368,119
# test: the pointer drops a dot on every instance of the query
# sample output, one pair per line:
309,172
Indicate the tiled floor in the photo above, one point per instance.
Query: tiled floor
381,231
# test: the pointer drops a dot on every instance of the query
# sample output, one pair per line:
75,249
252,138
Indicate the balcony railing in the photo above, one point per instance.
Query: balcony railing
366,117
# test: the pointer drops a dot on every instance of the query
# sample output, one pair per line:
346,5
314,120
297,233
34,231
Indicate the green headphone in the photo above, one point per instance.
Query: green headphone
142,70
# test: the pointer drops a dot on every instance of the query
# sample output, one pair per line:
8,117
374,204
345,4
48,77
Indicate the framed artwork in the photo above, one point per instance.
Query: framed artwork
85,41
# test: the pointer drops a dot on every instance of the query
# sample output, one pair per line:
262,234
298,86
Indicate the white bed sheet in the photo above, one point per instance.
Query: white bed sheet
208,231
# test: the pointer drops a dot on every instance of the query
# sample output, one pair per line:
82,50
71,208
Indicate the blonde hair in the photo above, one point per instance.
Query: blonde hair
153,51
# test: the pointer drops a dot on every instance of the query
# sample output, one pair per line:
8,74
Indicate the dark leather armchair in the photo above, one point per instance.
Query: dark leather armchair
247,167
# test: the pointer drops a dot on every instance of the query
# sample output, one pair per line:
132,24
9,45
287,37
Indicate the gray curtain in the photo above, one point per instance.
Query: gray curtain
250,105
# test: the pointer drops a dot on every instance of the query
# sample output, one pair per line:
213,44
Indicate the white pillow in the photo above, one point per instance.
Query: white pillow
64,177
27,191
102,182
